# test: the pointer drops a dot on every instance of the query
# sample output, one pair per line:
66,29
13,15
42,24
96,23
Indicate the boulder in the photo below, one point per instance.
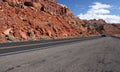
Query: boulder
7,31
11,2
23,35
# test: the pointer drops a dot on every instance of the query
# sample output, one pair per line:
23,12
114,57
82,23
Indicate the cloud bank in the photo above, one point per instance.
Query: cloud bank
100,11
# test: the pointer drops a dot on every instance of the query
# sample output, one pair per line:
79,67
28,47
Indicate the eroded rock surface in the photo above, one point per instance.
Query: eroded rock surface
39,19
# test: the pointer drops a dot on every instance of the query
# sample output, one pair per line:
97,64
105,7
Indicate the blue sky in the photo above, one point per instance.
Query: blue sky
95,9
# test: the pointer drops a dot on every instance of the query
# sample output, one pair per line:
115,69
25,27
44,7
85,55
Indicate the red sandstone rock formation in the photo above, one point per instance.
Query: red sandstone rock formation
108,28
45,19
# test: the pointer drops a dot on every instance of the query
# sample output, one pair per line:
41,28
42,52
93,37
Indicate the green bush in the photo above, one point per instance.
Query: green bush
9,37
1,37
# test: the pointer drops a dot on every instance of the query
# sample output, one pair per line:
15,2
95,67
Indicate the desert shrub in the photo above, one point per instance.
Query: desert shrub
30,32
9,37
1,37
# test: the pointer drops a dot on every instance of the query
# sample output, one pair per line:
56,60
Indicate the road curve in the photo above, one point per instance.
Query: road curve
98,55
19,47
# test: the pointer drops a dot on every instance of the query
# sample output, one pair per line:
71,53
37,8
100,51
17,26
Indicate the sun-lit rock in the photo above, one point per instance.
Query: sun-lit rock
47,19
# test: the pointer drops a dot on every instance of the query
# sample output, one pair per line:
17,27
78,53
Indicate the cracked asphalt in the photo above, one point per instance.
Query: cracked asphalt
98,55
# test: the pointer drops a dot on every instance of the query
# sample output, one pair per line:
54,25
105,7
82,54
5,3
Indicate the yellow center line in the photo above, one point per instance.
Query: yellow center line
35,44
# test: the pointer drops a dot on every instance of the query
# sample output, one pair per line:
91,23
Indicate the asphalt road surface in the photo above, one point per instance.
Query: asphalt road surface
98,55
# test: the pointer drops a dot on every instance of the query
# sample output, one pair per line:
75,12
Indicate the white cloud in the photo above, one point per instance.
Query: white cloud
98,5
100,11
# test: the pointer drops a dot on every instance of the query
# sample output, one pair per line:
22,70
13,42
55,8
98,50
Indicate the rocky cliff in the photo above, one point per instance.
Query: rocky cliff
45,19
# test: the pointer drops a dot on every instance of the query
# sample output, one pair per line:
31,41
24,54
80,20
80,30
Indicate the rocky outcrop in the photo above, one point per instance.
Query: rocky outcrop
104,27
44,19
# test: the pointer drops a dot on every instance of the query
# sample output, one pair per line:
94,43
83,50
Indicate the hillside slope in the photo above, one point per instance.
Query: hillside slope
44,19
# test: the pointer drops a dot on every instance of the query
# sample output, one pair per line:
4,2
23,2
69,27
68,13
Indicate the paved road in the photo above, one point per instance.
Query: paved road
18,47
98,55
